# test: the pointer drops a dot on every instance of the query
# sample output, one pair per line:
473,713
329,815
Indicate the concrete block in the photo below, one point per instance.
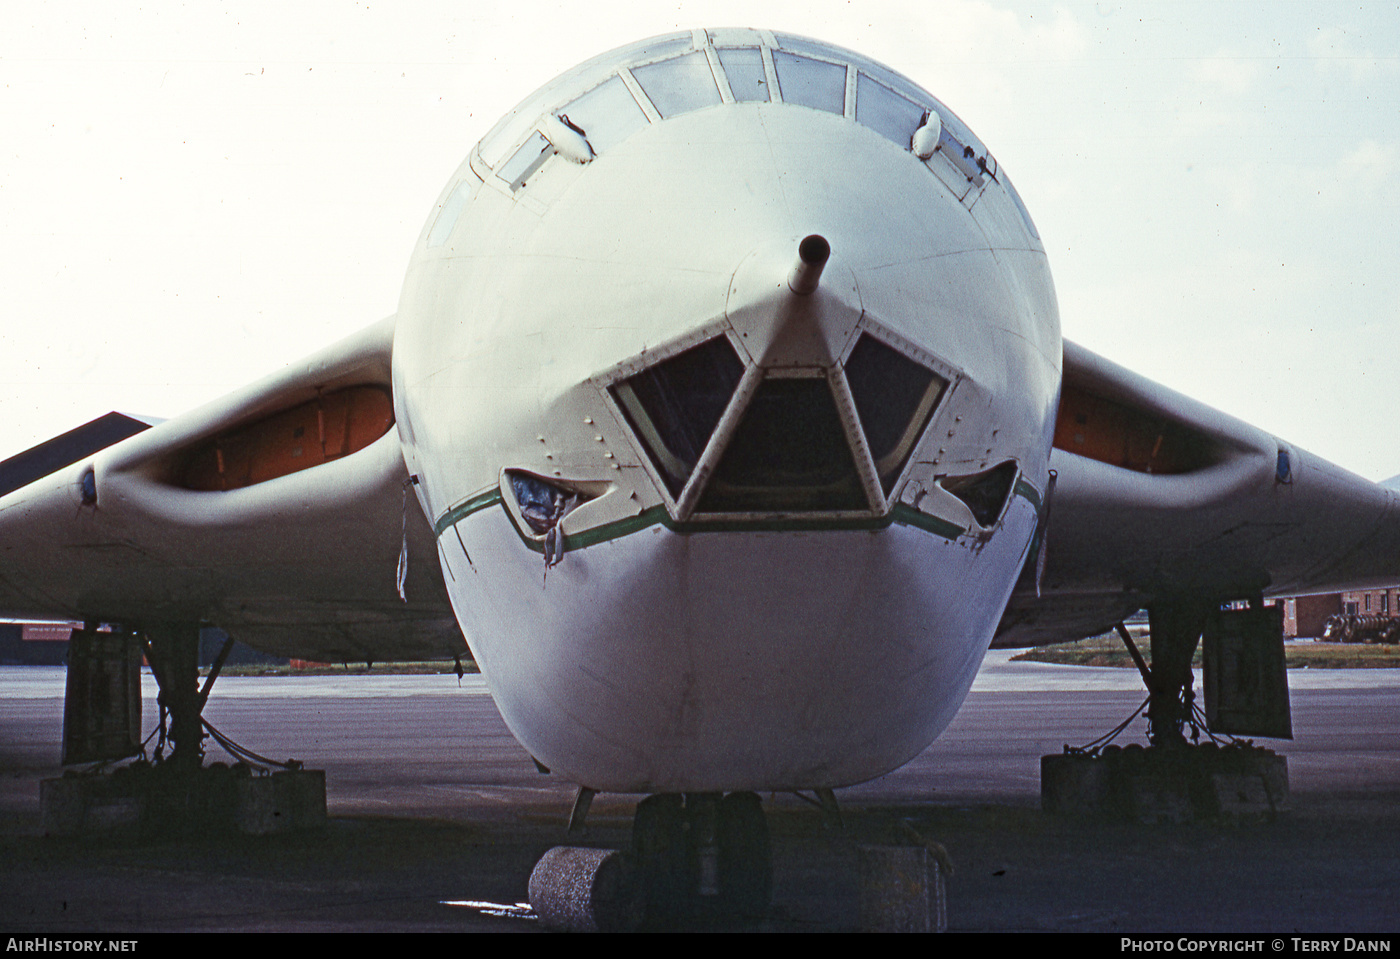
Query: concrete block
576,889
284,801
1174,785
1241,796
1160,798
142,800
1074,784
902,889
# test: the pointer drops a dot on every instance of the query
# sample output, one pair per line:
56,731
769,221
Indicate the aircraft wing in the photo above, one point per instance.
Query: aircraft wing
277,512
1157,496
215,516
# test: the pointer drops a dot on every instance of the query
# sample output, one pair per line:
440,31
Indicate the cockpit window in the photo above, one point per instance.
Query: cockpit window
889,114
674,406
679,85
811,83
788,454
894,397
743,67
525,161
605,115
617,94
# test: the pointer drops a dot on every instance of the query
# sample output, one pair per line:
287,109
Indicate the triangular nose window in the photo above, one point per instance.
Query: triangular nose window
675,405
894,397
788,454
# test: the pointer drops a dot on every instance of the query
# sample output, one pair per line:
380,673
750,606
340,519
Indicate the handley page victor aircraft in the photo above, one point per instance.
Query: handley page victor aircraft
723,412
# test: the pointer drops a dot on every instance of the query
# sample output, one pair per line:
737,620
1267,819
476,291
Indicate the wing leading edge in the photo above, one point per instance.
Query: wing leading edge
1158,496
277,513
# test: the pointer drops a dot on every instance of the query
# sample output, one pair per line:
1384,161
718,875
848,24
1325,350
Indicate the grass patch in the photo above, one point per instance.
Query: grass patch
432,668
1108,650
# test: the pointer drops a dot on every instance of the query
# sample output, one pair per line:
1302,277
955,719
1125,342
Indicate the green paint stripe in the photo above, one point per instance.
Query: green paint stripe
909,516
619,529
1028,492
460,512
657,516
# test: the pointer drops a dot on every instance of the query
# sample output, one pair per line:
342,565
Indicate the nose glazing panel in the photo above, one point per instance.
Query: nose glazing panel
674,406
788,448
789,454
894,397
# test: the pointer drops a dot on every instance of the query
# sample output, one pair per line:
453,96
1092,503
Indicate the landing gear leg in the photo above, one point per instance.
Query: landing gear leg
178,793
1176,629
174,656
697,857
1177,781
702,856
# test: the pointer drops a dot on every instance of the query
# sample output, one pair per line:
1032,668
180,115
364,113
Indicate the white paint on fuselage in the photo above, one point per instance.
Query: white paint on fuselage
500,329
669,660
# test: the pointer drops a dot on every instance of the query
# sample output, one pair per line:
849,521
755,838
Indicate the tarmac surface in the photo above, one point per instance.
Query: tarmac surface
432,801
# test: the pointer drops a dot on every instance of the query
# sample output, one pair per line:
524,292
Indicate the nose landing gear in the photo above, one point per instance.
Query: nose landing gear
703,857
696,858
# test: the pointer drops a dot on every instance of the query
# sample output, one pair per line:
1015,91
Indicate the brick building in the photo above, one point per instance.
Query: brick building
1305,616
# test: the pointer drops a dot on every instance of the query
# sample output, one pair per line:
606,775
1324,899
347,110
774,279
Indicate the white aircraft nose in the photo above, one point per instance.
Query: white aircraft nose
758,371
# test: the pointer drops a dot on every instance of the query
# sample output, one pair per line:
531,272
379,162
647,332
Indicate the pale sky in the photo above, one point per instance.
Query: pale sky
192,195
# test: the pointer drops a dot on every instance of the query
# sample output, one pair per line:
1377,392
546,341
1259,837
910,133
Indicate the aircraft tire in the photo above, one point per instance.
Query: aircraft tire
659,849
745,856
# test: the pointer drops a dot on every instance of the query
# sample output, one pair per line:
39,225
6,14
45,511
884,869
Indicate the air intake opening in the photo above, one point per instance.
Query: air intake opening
1128,437
310,434
984,493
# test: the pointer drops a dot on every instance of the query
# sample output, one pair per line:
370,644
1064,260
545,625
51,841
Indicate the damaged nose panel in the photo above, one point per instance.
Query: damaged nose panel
543,505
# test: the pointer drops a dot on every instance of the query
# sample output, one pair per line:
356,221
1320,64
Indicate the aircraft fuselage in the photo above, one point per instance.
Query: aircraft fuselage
707,522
